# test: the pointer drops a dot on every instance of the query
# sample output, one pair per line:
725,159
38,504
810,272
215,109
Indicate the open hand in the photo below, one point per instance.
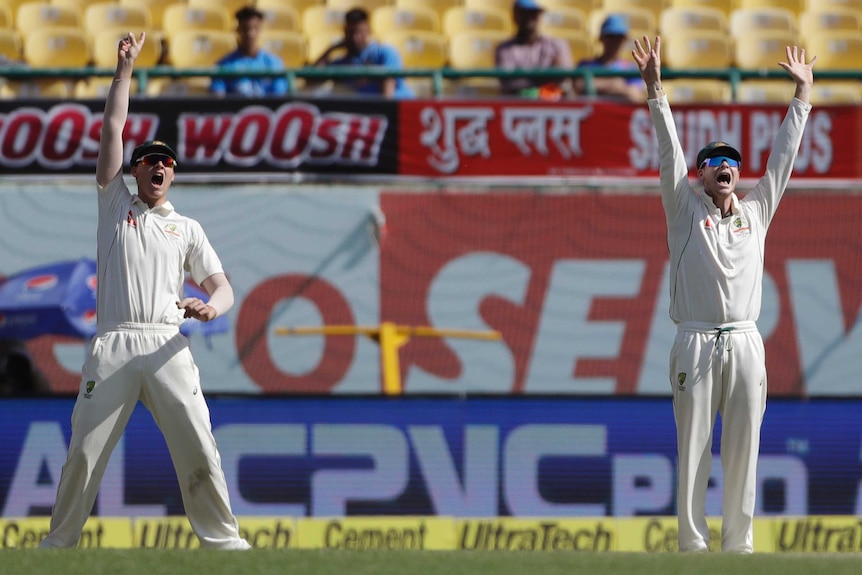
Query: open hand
801,72
648,59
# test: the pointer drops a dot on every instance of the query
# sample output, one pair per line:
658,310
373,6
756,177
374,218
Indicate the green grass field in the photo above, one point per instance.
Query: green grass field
306,562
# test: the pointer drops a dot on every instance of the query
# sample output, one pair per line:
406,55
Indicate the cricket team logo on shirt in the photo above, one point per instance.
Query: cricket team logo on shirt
171,229
89,389
740,225
680,378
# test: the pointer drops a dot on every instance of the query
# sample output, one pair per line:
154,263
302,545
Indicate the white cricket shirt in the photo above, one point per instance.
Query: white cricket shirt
716,264
143,255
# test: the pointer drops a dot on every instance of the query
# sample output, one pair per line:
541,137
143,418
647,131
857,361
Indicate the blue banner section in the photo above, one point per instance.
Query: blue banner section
466,457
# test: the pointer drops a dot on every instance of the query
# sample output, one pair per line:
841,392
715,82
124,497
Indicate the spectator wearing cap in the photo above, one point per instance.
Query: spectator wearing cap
530,50
613,36
249,55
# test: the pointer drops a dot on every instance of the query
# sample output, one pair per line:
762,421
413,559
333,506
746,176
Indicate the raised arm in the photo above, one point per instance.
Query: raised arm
110,160
801,72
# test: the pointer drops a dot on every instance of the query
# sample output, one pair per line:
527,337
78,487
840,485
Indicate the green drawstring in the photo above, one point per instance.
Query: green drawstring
720,331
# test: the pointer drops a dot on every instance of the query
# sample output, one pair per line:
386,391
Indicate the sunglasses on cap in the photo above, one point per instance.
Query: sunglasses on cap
716,161
154,159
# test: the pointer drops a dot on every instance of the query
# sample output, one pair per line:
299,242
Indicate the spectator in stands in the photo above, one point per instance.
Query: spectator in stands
529,50
18,376
361,50
249,55
613,36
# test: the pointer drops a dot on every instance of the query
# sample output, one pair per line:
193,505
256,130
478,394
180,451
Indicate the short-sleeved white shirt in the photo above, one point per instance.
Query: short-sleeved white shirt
143,254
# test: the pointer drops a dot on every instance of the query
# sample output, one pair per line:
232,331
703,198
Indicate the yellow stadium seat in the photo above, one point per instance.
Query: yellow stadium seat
836,92
836,50
825,4
439,6
35,15
300,5
199,48
697,49
462,19
289,45
698,91
229,6
320,43
725,6
281,17
57,48
418,48
322,20
394,18
580,46
39,88
179,87
692,18
368,5
562,20
104,15
747,21
7,21
78,5
10,45
12,6
765,91
586,6
796,7
762,50
504,5
156,8
475,48
183,18
106,40
97,87
654,6
820,20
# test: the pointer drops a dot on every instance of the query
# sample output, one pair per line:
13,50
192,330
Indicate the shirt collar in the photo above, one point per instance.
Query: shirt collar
165,208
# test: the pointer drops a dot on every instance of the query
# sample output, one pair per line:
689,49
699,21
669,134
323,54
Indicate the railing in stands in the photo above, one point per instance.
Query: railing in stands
732,75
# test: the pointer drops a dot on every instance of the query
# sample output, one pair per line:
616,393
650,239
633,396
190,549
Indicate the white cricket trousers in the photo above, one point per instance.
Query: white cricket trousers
718,369
153,364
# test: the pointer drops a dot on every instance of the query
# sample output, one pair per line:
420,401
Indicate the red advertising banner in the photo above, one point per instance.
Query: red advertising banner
577,287
513,138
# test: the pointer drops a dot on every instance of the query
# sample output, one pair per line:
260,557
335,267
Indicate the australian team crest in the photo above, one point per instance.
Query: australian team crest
680,378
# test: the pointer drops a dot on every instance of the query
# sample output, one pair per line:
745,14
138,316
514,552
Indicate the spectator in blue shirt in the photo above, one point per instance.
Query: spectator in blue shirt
250,56
614,35
361,50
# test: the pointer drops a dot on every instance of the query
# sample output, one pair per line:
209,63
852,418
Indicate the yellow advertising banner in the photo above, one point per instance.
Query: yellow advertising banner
99,532
420,533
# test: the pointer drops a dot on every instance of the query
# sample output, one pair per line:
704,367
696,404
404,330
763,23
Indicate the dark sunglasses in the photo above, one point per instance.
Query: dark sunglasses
716,161
154,159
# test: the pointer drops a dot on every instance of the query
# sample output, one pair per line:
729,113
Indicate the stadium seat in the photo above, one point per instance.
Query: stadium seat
697,49
621,6
184,18
641,21
179,87
10,45
317,45
462,19
725,6
796,7
7,21
418,48
322,20
62,89
820,20
12,6
77,5
104,15
97,87
439,6
562,20
504,5
692,18
51,47
289,45
586,6
106,40
580,46
33,16
199,48
698,91
762,50
747,21
300,5
395,18
156,7
828,4
475,48
230,6
281,17
836,49
765,91
836,92
368,5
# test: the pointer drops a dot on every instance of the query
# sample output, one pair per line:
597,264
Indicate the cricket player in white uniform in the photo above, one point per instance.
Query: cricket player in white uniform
716,243
144,249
